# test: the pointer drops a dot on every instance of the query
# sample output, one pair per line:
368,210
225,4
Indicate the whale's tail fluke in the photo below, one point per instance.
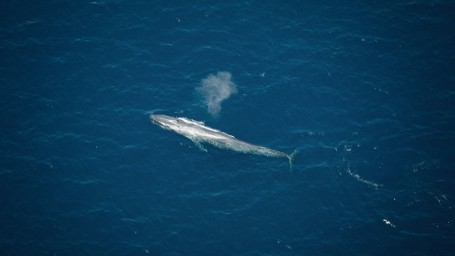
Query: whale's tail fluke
291,158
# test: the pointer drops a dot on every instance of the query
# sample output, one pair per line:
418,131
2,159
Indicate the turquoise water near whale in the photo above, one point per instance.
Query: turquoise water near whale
363,89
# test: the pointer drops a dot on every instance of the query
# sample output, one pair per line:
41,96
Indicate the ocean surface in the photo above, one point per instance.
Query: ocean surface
364,90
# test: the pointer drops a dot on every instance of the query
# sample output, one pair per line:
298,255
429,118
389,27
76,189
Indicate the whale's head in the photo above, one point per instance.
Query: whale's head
166,122
180,125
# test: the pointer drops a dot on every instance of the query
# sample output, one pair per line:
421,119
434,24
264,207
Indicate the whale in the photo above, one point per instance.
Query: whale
201,134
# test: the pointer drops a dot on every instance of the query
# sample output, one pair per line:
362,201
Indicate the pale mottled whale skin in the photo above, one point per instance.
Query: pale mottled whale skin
199,133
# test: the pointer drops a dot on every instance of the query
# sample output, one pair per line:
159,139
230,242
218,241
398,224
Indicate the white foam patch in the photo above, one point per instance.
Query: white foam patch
387,222
360,179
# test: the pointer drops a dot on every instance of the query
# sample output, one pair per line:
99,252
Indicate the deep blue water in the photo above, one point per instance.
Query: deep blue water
363,89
